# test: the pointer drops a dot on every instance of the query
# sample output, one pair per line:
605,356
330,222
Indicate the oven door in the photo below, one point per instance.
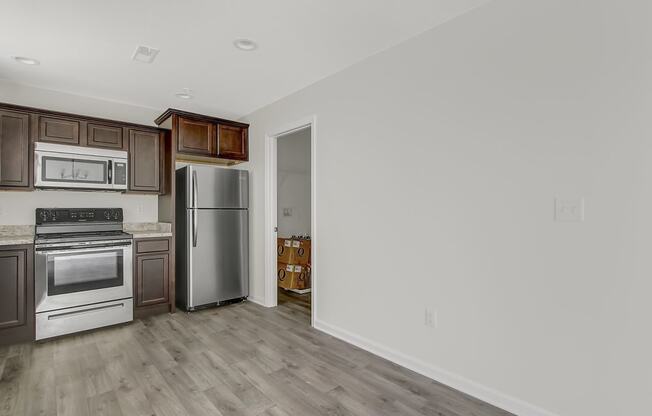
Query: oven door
73,277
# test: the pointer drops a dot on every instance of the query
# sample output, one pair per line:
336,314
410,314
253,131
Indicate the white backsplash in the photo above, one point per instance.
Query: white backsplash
17,208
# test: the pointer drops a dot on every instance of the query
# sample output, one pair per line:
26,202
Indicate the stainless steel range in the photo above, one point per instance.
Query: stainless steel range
83,270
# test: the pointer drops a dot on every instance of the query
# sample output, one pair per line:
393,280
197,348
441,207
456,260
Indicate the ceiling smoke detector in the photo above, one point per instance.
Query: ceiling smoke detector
185,94
25,60
145,54
247,45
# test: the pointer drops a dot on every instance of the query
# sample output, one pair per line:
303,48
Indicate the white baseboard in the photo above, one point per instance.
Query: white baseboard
257,301
479,391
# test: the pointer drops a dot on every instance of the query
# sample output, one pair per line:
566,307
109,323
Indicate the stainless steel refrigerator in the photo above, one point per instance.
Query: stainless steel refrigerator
212,235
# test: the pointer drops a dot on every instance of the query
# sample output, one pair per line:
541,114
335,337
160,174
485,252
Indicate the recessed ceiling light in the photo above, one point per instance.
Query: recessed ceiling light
245,44
25,60
185,94
145,54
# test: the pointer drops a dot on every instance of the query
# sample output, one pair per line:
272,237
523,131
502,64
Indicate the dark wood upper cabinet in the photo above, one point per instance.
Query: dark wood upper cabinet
14,149
232,142
196,137
58,130
105,136
206,139
16,294
152,279
145,157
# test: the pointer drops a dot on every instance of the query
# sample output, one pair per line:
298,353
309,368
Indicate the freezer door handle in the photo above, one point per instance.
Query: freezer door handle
194,189
194,207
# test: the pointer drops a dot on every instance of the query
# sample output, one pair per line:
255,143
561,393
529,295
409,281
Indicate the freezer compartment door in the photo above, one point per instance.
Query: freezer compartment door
212,187
219,256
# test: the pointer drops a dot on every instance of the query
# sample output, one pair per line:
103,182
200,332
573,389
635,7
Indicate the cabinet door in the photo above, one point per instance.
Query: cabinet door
196,137
13,293
58,130
144,161
232,142
152,279
14,149
105,136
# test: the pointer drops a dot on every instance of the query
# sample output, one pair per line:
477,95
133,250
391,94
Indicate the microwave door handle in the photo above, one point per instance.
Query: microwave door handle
110,171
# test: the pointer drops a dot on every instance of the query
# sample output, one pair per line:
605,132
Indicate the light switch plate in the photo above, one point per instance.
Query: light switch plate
569,209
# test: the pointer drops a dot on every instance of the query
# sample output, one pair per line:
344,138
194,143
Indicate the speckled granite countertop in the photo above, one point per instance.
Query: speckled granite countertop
148,229
16,234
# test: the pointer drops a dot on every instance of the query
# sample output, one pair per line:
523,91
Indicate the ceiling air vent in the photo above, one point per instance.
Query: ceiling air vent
145,54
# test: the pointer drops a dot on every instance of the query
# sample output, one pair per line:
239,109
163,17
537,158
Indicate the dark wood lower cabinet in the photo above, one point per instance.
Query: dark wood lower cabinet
16,294
152,277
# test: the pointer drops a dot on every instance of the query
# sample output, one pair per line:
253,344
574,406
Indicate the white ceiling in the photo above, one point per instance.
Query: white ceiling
85,46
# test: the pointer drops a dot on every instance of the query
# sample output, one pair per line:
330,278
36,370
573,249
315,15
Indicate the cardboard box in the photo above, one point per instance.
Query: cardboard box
284,250
293,251
293,276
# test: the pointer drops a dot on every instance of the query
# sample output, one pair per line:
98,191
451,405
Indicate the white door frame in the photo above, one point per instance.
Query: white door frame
271,219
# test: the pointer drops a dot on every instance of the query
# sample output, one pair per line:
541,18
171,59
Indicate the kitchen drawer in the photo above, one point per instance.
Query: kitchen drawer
150,246
82,318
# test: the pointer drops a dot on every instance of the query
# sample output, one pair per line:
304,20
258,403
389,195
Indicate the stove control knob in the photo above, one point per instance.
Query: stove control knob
107,215
44,216
116,215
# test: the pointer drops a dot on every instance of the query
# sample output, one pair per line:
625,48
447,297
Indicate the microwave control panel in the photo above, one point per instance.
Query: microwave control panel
120,173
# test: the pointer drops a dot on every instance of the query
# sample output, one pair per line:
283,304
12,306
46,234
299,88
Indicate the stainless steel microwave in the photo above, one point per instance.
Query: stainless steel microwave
62,166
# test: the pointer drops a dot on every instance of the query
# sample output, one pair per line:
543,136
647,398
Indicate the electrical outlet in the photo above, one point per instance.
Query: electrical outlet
430,318
569,209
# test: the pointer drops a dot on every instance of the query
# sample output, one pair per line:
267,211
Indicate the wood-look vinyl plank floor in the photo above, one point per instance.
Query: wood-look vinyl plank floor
237,360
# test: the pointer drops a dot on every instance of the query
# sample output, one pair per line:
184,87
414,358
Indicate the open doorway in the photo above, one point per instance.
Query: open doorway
293,221
290,248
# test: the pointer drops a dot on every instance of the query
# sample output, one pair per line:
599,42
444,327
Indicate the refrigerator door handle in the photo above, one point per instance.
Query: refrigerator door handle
194,227
194,189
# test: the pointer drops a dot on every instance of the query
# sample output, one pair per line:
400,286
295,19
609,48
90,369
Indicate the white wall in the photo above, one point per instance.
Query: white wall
440,160
293,177
17,208
70,103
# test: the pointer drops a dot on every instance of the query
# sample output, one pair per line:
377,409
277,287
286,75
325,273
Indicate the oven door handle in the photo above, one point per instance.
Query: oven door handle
82,250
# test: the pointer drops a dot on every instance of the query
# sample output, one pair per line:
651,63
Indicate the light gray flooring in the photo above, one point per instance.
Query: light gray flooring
236,360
